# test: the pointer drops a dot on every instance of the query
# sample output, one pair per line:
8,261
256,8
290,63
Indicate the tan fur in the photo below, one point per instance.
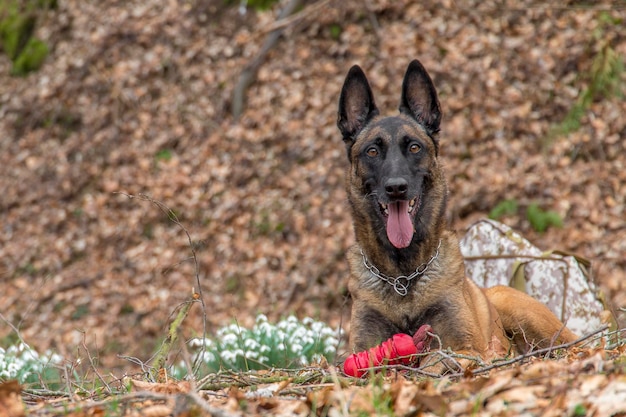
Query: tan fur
469,320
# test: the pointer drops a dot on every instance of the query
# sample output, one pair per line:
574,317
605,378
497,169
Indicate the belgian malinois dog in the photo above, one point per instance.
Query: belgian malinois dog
406,268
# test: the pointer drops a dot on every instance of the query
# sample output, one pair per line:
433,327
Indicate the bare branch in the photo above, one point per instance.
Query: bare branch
248,75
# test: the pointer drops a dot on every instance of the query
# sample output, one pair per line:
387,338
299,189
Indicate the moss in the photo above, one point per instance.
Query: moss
31,58
17,27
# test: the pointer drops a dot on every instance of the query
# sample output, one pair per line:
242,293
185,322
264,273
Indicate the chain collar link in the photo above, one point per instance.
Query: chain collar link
401,283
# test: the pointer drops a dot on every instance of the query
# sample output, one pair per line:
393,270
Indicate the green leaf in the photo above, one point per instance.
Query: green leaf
502,209
31,58
163,155
540,220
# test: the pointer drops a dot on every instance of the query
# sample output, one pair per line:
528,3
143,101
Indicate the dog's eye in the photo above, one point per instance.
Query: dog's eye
414,148
372,152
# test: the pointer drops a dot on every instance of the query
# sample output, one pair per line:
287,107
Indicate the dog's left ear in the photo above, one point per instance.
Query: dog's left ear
356,105
419,98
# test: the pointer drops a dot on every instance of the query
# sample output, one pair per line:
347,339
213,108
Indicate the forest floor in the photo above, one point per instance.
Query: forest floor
129,118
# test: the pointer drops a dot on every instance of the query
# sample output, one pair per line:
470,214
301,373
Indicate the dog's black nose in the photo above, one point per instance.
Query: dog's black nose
396,187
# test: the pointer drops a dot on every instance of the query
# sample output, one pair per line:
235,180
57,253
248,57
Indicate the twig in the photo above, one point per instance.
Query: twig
121,399
93,366
215,382
44,393
515,256
213,411
173,218
137,361
284,22
248,74
189,365
15,329
451,356
538,352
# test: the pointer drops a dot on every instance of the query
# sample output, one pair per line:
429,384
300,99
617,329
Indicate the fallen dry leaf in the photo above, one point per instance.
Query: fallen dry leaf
134,97
11,404
172,387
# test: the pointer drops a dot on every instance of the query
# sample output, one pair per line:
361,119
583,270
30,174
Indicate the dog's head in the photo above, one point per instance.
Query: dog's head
395,185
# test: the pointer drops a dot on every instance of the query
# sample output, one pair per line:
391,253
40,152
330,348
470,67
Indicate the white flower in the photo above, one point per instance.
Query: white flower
265,328
318,327
228,356
291,327
229,339
330,344
251,354
208,357
251,344
197,342
54,358
235,328
298,333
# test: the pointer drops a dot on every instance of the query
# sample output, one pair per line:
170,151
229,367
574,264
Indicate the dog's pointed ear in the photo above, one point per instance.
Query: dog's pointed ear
419,98
356,104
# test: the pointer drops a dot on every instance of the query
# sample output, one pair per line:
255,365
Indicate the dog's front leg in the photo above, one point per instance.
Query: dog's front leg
369,327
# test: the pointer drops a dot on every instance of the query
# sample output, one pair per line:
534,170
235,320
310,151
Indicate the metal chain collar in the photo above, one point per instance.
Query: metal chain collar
401,283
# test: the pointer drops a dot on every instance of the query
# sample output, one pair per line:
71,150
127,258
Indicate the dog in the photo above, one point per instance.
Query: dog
406,268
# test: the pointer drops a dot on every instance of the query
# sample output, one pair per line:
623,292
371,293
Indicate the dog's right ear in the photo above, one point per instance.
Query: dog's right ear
356,105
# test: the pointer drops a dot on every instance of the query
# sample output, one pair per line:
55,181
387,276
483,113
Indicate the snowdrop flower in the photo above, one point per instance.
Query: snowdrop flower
265,328
228,356
208,356
299,332
289,342
229,339
251,354
251,344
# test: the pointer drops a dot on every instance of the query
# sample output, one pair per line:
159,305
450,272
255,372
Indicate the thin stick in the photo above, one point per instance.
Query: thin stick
539,352
216,412
174,219
248,75
93,366
286,21
451,356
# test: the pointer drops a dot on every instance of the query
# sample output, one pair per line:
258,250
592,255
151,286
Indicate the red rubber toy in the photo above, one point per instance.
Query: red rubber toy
397,350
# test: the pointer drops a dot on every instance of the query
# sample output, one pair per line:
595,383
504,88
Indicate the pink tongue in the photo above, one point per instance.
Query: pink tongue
399,225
